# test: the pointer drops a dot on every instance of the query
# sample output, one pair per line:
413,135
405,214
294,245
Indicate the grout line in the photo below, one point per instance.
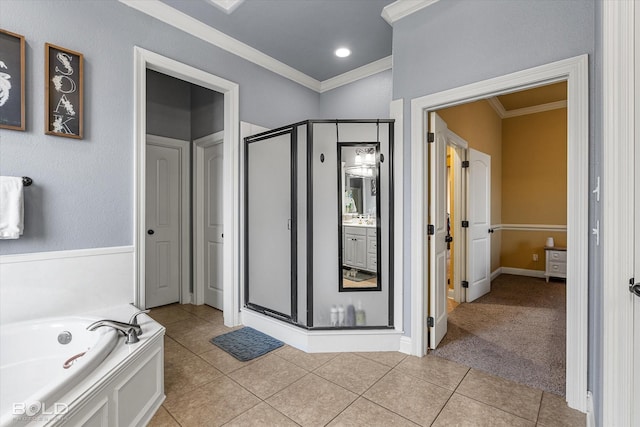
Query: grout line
451,395
539,407
498,408
390,410
280,412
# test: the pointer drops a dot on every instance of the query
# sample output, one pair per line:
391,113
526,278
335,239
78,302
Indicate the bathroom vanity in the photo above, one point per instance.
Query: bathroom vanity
360,247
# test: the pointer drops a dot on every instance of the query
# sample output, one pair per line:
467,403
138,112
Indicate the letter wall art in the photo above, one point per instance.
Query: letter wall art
63,91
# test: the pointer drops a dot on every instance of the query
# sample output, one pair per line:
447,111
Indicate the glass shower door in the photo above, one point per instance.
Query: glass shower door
270,285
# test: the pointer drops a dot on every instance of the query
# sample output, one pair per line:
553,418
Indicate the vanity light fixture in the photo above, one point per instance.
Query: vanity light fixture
342,52
364,163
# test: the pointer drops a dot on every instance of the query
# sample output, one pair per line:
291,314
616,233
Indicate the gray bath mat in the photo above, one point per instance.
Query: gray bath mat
246,343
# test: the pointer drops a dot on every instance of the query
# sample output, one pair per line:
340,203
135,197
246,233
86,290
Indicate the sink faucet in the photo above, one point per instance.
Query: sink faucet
131,330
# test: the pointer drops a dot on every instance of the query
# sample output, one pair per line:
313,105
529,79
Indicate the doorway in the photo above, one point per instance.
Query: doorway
177,230
575,72
144,60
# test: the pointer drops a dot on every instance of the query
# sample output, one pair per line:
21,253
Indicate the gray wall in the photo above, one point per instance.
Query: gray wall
457,42
368,98
168,106
205,105
83,191
182,110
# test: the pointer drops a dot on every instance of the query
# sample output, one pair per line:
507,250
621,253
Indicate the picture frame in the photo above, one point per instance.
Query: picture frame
12,81
64,89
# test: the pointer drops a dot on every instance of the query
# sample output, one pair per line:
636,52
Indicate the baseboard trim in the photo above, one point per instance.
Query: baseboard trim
523,272
591,417
326,341
495,273
405,345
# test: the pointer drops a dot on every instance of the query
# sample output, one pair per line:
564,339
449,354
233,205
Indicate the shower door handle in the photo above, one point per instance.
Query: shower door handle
289,224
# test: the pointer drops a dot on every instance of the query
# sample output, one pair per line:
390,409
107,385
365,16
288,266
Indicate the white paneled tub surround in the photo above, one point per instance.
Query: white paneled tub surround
112,383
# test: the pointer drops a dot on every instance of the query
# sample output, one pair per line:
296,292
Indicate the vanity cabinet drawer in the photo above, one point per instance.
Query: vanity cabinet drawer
358,231
372,245
372,262
372,232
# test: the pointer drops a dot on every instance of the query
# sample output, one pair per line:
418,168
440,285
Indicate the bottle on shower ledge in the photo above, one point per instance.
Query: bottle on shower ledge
334,316
340,315
361,319
350,317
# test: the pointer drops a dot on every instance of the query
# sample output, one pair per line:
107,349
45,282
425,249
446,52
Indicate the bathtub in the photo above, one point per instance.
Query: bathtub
45,380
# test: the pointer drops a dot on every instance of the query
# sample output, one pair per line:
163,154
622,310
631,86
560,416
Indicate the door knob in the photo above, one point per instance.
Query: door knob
491,230
150,232
635,289
448,239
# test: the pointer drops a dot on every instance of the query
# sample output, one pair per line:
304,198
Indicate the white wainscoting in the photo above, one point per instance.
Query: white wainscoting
64,282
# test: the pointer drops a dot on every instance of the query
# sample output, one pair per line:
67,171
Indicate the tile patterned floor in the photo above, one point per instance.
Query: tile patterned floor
207,387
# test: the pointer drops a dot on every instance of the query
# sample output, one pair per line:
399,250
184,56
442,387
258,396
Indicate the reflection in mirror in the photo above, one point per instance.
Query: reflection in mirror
359,179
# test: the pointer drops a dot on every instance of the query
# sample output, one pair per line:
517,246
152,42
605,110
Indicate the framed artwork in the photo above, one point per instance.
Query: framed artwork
63,92
12,81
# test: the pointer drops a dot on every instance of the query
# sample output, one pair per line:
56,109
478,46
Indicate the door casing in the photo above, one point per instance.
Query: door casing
620,124
575,72
143,60
459,146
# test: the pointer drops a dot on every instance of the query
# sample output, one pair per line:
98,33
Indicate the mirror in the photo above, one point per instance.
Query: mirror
359,221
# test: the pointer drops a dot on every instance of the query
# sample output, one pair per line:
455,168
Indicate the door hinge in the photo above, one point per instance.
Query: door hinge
465,284
465,163
431,230
430,322
465,224
431,136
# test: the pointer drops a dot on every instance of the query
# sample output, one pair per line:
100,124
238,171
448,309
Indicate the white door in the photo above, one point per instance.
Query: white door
162,222
438,231
479,217
213,225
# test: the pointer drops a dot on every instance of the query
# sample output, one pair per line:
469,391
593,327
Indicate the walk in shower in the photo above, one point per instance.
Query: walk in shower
318,224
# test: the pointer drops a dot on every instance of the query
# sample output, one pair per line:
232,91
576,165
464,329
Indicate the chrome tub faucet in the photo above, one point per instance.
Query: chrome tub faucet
131,330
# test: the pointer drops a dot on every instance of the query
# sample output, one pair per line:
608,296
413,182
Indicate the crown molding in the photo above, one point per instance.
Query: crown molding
505,114
367,70
536,109
184,22
401,8
497,106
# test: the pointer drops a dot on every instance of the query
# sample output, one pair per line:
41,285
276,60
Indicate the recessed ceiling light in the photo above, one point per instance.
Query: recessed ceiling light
343,52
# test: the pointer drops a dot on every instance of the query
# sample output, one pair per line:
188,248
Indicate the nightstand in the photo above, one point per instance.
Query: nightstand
556,262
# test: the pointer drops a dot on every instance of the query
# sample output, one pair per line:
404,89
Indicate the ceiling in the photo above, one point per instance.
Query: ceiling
303,33
533,97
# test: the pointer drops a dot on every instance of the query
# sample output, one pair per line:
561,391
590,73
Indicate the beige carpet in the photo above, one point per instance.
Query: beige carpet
517,331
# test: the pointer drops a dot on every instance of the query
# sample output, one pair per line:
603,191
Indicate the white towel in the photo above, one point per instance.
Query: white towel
11,207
